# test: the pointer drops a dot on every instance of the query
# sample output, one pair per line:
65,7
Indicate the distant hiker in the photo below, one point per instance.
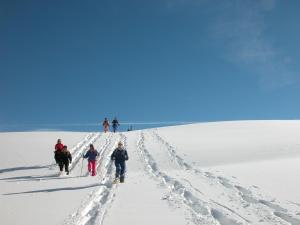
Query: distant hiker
91,154
64,158
58,148
130,128
120,156
115,124
105,125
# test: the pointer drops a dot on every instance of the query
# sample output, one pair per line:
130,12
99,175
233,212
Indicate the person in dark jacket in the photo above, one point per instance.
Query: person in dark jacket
64,158
120,156
115,124
91,154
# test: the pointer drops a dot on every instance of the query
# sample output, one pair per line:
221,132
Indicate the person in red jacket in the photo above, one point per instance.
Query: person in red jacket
58,148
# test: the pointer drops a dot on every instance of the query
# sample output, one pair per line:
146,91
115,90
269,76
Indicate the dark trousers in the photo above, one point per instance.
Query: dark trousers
120,169
115,128
62,165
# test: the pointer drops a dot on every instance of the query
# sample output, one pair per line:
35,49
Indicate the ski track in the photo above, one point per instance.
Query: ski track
102,151
276,214
202,211
83,146
93,210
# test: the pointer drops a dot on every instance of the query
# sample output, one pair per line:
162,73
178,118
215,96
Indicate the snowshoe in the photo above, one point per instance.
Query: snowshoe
116,180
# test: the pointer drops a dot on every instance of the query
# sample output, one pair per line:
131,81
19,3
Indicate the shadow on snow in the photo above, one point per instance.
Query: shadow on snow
55,189
13,169
35,178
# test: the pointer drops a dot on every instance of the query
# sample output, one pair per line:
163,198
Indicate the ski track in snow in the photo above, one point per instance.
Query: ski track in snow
102,151
275,214
93,210
202,211
83,146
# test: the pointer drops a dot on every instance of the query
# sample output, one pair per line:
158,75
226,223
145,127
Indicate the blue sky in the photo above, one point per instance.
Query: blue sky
66,63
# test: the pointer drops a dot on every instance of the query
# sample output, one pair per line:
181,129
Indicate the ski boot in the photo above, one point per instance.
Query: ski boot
122,179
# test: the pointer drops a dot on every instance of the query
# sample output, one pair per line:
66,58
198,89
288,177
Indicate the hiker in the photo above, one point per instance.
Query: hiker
115,124
58,148
105,125
64,158
120,156
91,154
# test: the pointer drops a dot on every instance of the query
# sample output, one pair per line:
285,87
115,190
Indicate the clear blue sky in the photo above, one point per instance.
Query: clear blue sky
76,62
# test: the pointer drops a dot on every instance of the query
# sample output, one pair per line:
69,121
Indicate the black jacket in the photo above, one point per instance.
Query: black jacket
115,123
119,155
64,157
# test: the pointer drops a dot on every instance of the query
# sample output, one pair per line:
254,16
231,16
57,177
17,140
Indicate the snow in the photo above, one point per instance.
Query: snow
278,177
225,173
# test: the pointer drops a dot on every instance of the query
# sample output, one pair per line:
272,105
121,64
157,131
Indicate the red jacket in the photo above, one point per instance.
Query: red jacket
59,147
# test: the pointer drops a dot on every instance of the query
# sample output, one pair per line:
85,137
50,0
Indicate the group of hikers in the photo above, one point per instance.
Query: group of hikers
64,158
115,125
106,125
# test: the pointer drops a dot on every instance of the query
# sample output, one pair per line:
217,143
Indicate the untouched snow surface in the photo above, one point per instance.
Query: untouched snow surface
224,173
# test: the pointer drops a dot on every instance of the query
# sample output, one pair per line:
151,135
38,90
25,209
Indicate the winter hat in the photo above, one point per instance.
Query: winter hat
120,143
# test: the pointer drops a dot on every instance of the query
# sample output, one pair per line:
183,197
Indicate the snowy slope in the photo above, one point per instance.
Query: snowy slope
212,173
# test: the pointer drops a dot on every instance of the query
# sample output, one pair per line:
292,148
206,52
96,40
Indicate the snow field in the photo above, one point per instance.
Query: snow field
211,173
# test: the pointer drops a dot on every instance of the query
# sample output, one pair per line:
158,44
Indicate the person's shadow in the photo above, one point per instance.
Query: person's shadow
13,169
55,189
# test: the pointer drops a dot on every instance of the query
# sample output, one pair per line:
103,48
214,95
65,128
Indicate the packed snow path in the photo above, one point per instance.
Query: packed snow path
159,180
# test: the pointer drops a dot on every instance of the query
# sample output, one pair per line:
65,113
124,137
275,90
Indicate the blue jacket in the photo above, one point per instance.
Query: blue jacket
91,155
